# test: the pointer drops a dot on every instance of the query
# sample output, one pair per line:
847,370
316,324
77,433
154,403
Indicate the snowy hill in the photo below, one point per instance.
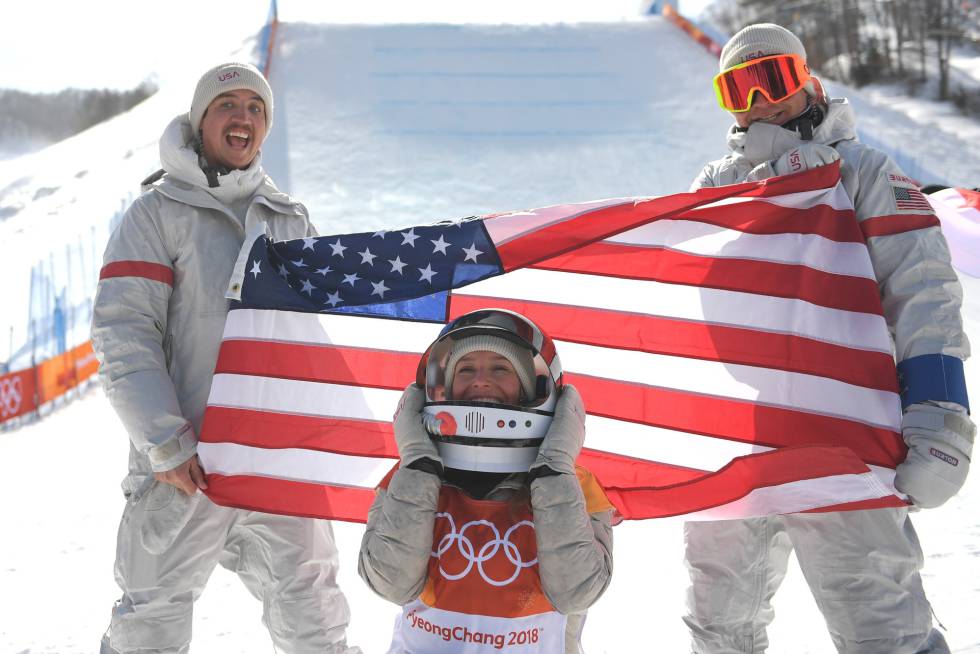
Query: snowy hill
406,123
387,126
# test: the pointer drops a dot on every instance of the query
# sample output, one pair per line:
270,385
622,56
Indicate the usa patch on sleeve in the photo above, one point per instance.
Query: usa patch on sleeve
908,198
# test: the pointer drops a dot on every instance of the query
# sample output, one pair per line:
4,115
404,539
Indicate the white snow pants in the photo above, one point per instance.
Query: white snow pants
289,564
862,568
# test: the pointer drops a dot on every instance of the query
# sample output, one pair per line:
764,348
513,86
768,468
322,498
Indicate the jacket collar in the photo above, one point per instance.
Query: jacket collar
187,183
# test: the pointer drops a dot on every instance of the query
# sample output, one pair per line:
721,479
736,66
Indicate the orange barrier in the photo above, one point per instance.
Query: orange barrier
693,30
24,391
18,394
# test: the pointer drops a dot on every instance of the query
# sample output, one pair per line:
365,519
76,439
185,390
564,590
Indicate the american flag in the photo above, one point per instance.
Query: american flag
910,199
729,345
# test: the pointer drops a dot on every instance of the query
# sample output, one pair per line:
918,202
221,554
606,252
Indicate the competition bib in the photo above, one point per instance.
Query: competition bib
483,592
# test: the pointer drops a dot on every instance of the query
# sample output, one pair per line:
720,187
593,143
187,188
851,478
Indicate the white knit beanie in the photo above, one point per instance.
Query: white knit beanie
225,77
759,40
519,357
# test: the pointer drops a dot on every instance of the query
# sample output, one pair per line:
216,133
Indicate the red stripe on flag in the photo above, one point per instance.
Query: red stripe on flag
769,218
290,497
758,277
735,481
897,224
697,340
628,472
597,224
272,430
970,198
152,271
321,363
890,502
735,420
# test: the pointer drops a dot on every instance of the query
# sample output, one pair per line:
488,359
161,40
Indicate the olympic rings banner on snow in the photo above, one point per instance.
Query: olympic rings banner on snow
24,391
17,395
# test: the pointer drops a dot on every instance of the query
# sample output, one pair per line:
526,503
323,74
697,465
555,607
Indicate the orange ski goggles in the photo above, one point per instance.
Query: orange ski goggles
776,77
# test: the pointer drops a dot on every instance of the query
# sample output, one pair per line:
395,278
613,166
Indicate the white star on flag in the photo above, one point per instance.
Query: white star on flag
282,271
307,288
350,279
427,274
299,263
367,257
255,269
396,265
472,253
408,238
309,243
324,271
338,249
333,299
382,234
440,245
379,288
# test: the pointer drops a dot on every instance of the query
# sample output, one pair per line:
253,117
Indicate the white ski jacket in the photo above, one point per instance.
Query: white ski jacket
920,293
160,307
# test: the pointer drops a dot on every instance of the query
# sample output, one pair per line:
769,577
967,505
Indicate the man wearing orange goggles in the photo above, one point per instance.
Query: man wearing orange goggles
862,566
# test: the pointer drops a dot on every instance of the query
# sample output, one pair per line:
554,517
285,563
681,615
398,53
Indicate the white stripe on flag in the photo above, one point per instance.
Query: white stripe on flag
773,314
797,496
345,331
763,386
303,397
835,198
811,250
294,464
675,448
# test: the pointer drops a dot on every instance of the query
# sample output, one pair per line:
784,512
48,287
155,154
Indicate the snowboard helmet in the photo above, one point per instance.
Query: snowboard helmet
486,436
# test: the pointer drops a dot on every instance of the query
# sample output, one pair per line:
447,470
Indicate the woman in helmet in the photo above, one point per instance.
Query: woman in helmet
488,534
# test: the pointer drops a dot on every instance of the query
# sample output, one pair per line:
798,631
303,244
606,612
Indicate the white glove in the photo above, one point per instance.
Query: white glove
940,442
803,157
565,435
410,435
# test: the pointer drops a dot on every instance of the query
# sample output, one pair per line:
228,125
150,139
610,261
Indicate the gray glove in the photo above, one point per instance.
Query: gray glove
940,442
803,157
410,435
565,436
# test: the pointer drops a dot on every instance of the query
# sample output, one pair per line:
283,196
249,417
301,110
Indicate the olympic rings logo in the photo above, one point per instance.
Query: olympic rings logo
10,396
486,552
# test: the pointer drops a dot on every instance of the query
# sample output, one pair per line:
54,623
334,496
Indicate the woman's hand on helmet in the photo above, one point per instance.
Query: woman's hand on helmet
411,437
565,436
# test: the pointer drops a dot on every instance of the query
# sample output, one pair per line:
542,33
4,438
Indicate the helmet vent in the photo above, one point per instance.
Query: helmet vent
475,422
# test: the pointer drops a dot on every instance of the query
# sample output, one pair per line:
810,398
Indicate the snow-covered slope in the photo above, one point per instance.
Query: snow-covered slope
385,126
405,123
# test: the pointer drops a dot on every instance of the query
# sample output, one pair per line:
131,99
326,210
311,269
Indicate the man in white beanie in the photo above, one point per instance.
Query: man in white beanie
862,566
158,319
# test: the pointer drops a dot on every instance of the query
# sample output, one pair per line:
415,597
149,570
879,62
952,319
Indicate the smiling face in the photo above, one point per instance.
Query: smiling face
233,129
484,376
777,113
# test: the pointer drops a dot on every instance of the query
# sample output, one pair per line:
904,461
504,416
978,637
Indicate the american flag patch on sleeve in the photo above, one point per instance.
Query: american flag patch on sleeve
910,199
